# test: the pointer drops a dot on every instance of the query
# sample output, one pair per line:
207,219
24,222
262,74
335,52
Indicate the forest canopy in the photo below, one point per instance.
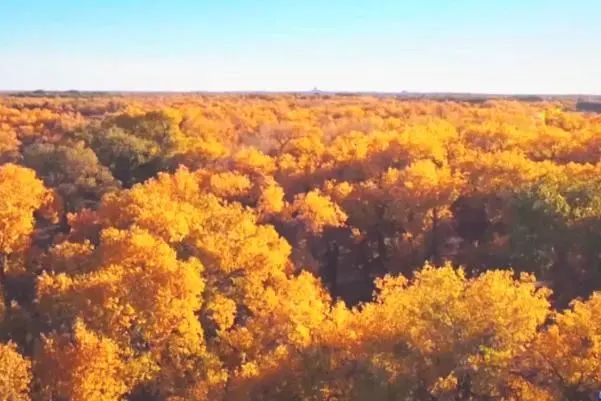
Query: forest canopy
298,247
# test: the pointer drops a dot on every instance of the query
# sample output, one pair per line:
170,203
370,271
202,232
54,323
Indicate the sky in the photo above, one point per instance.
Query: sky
482,46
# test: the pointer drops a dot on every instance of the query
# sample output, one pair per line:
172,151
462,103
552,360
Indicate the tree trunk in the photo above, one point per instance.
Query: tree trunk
3,266
434,243
330,275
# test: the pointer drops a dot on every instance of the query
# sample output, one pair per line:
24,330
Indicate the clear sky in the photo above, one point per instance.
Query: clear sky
495,46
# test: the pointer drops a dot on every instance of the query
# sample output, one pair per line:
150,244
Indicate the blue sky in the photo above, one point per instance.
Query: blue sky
495,46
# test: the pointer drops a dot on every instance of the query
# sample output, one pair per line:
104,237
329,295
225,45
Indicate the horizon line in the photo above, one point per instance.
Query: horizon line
314,91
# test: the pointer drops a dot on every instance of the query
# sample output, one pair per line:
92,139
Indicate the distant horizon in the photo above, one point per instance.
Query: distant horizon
307,91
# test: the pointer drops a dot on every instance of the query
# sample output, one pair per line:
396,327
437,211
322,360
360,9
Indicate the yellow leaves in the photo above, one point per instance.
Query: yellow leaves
161,206
351,147
21,194
339,191
222,311
137,282
141,289
420,195
82,367
289,318
227,239
550,143
15,374
271,200
502,171
444,385
70,257
138,296
317,211
428,139
8,140
230,184
517,307
305,307
443,321
248,370
526,391
496,135
421,303
197,151
388,285
424,182
568,351
185,255
302,155
52,207
252,160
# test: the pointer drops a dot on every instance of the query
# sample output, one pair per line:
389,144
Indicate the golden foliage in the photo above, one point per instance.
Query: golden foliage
252,249
15,374
317,211
21,194
81,367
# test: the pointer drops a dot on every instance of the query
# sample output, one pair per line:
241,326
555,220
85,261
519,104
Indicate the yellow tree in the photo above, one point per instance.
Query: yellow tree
136,293
144,279
15,374
271,200
225,237
81,366
566,357
21,194
315,211
438,336
418,201
9,144
310,215
444,335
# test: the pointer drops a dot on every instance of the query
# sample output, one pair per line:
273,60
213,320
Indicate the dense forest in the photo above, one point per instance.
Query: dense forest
298,247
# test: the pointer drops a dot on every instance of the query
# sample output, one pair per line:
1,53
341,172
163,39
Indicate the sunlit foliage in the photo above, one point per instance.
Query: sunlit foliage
298,247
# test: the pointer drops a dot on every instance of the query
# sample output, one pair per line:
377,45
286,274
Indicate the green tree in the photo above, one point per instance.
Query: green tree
73,170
